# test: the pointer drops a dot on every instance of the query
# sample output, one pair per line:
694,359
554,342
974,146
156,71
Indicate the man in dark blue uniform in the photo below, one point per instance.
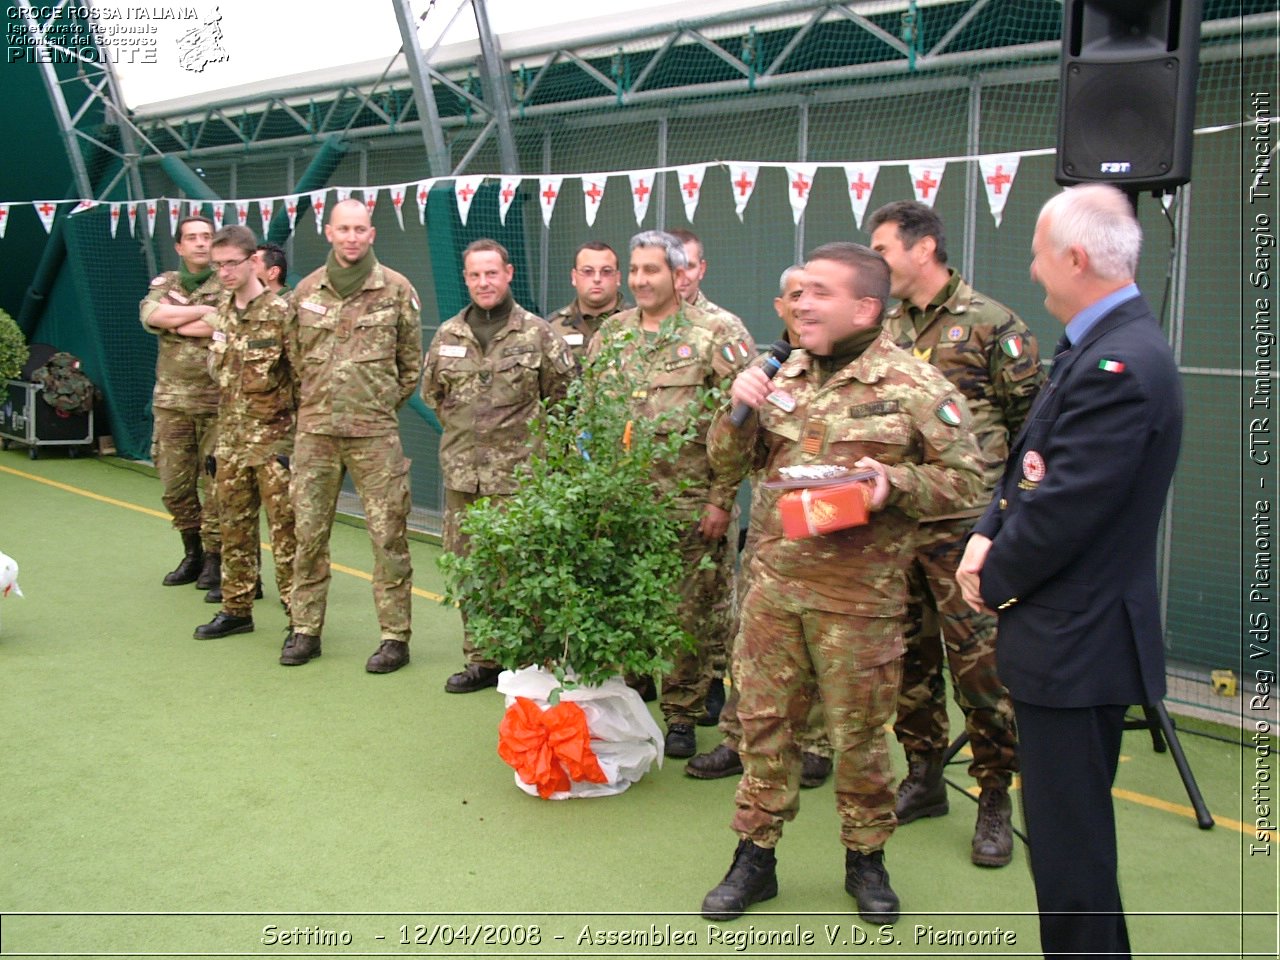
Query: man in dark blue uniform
1066,555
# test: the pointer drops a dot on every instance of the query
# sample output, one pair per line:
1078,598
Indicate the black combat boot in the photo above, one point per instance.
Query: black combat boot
752,877
723,761
867,881
814,770
188,569
211,572
993,833
714,703
922,792
681,740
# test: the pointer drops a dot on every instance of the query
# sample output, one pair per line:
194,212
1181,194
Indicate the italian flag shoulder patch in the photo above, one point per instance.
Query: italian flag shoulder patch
1111,366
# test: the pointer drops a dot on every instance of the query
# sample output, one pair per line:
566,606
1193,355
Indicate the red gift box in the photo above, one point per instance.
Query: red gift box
811,512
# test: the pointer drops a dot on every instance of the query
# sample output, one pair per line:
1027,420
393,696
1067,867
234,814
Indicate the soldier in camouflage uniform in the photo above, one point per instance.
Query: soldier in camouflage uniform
826,614
596,278
256,407
990,356
724,761
185,400
724,625
486,373
680,351
356,347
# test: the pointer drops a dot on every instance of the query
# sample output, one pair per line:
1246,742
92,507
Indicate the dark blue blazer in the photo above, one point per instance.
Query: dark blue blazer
1072,565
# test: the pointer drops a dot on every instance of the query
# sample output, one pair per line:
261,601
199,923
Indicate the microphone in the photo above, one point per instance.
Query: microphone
778,354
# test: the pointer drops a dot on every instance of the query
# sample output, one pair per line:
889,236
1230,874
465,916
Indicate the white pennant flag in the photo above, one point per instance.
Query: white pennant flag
82,206
115,219
291,208
998,171
266,206
175,211
548,193
799,187
370,199
424,191
926,175
195,208
689,180
592,192
152,211
397,201
242,212
506,196
4,219
132,208
641,191
46,210
317,207
742,179
862,180
343,193
464,191
219,212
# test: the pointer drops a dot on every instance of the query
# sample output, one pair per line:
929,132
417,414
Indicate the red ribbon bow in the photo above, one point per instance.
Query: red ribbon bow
548,748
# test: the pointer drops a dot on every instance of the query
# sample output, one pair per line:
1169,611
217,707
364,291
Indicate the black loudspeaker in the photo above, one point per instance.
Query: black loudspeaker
1126,100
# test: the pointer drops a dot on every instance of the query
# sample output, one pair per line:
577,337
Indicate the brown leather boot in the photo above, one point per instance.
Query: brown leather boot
993,833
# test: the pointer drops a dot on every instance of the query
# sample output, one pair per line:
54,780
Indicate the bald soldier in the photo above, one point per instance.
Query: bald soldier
184,403
356,347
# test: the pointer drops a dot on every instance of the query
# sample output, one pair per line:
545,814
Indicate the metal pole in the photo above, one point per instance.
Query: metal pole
432,132
60,110
496,77
972,172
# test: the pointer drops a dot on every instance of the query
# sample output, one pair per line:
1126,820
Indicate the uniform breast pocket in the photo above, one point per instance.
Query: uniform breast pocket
315,335
882,438
257,374
374,336
515,380
673,388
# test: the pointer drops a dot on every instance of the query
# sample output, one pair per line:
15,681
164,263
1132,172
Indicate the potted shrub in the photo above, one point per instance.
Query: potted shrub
573,582
13,348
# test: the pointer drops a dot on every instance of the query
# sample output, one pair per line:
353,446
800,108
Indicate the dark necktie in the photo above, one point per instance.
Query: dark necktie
1059,353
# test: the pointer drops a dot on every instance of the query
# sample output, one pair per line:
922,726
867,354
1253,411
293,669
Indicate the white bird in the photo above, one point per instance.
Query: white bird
9,576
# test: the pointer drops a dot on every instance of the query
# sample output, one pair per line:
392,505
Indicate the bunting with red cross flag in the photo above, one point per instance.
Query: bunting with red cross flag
998,171
82,206
132,208
317,206
342,193
926,175
115,219
152,212
291,208
219,213
464,191
175,211
508,186
424,191
641,191
742,180
397,202
861,178
592,192
46,210
242,212
266,206
689,180
370,199
4,219
548,193
799,187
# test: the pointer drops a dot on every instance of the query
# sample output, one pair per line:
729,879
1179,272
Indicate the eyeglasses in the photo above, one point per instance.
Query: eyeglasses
221,265
604,273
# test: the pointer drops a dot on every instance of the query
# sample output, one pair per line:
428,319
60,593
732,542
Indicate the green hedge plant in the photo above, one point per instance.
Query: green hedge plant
13,348
579,571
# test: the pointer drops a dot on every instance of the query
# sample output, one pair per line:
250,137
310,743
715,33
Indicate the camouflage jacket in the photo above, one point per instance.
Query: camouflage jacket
701,352
736,327
256,383
990,356
356,360
487,398
577,328
885,405
182,363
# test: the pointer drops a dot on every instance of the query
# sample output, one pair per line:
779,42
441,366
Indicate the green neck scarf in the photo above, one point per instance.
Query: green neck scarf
347,280
191,281
485,323
844,352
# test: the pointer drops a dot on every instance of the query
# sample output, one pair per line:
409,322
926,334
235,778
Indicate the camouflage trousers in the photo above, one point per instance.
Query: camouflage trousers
181,445
723,622
813,739
457,542
381,475
702,610
243,490
787,655
970,643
